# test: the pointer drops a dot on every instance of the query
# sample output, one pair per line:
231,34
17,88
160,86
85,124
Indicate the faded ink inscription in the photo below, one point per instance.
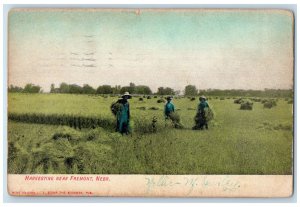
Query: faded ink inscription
191,183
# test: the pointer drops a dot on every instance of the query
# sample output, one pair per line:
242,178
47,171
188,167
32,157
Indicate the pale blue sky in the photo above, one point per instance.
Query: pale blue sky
207,48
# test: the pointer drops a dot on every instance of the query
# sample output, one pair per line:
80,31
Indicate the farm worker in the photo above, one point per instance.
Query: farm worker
201,110
123,114
169,107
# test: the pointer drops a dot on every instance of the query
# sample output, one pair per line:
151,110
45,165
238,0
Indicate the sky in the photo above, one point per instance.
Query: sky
217,49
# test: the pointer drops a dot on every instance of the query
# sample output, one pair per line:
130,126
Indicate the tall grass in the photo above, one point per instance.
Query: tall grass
76,122
142,125
237,142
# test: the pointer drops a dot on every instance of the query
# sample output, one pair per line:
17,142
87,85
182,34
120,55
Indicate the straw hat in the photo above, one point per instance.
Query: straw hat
202,97
126,94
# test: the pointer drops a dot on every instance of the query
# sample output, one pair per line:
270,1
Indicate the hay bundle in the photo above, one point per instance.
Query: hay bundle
175,118
141,99
57,136
290,102
66,133
238,101
161,100
264,101
270,103
201,119
193,99
153,108
256,99
50,156
148,97
246,106
209,114
115,108
142,108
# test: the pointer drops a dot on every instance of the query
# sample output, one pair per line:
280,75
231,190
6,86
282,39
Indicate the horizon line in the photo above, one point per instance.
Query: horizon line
81,85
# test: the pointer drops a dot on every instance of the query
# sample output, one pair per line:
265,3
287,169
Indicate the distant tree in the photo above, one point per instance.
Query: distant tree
104,89
127,89
147,90
87,89
131,85
169,91
64,88
52,88
165,91
190,90
160,91
116,89
76,89
143,90
15,89
132,88
31,88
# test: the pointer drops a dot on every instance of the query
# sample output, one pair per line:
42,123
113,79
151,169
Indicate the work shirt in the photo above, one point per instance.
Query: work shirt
202,105
169,107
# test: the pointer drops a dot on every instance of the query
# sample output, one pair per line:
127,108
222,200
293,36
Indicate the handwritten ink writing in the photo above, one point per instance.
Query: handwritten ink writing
163,181
191,183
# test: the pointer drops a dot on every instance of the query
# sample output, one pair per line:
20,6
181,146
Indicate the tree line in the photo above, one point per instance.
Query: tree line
189,90
29,88
103,89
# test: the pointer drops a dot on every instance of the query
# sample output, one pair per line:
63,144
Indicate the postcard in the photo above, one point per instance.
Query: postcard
150,102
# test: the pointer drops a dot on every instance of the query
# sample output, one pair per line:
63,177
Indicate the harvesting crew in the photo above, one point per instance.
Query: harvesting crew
123,115
169,108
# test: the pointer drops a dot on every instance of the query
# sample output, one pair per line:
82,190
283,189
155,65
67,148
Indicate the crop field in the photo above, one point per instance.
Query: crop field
65,133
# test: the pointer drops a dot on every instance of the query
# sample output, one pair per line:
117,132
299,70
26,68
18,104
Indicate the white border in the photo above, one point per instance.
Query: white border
143,2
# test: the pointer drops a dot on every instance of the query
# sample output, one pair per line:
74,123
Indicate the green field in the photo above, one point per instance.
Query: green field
257,141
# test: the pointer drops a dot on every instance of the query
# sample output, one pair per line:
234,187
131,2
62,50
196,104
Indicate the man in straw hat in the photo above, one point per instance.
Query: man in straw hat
200,116
123,114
